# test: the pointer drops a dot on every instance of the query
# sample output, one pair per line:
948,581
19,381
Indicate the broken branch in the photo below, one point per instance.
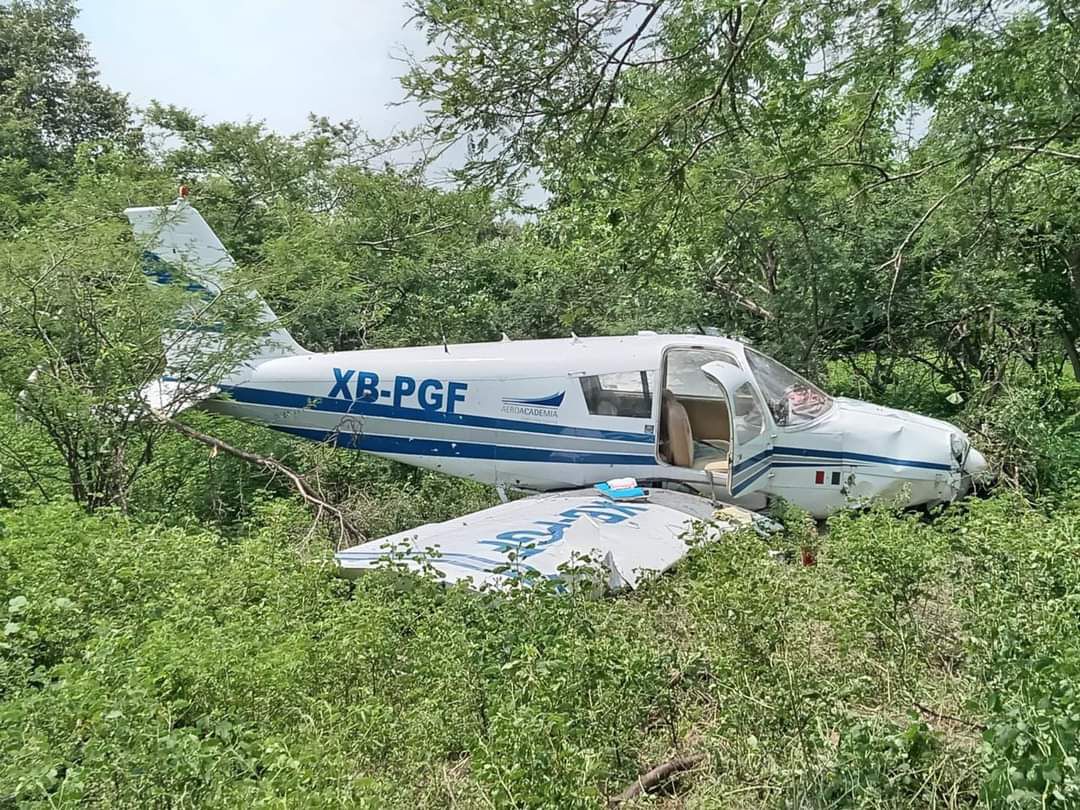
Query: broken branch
650,780
310,494
387,243
742,301
949,718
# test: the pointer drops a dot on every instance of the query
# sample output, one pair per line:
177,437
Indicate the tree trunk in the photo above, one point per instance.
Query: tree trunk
1069,339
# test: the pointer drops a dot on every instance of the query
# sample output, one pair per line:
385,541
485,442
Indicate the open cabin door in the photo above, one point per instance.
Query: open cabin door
750,450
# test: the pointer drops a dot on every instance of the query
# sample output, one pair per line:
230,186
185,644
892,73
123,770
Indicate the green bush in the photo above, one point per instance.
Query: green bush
916,663
176,666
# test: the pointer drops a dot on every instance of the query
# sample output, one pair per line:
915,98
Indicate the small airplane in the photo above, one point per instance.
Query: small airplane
701,419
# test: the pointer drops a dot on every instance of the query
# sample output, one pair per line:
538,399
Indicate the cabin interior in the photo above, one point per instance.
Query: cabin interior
695,432
695,421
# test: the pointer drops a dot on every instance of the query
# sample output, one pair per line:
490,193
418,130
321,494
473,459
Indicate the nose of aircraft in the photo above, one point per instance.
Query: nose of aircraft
975,464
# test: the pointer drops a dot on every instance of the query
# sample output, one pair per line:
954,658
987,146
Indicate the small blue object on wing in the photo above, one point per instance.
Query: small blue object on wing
621,489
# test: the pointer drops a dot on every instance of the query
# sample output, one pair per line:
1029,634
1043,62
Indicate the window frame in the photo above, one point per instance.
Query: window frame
762,409
593,390
763,399
728,356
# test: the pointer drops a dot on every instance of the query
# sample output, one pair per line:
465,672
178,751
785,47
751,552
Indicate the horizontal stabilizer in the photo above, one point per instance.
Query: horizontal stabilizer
545,535
170,397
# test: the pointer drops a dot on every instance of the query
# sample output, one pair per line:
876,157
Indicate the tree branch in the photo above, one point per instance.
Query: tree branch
897,260
1054,152
750,306
628,44
384,244
652,779
348,530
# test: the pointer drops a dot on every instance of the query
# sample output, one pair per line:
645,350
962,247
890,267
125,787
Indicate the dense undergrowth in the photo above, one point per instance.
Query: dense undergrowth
201,651
917,664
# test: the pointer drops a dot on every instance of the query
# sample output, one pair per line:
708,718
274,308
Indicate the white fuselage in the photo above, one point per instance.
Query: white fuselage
519,414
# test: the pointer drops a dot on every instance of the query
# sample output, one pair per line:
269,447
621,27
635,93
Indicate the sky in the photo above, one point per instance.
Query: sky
271,60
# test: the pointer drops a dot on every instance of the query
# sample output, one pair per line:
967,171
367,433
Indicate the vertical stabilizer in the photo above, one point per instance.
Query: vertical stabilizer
179,247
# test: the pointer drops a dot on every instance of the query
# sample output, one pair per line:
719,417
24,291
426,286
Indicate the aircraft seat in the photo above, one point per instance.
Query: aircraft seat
709,418
675,426
719,467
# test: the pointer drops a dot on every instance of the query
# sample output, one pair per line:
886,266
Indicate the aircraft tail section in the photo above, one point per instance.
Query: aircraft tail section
179,247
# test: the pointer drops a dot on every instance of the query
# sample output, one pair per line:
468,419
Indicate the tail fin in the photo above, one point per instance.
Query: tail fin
177,241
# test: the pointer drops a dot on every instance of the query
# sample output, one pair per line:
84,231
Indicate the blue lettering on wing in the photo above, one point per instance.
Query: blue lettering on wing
556,530
527,543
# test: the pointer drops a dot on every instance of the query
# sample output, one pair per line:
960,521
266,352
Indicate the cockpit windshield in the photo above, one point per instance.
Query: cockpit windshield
791,399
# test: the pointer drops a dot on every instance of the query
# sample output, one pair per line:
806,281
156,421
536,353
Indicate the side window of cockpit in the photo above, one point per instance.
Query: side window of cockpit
622,393
749,420
684,377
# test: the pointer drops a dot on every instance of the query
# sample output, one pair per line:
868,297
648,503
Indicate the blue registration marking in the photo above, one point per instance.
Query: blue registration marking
429,394
522,543
530,542
341,382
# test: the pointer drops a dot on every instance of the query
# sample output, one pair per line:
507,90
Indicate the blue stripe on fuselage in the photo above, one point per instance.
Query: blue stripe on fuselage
840,456
751,479
431,447
283,399
747,462
404,445
778,457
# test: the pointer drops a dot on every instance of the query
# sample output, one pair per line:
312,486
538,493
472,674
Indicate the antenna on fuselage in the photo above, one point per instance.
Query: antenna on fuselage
442,331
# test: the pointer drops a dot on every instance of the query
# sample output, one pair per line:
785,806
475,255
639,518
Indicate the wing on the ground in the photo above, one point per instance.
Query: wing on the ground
545,534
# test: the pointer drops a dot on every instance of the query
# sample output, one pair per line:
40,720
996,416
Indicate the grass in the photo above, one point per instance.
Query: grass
157,666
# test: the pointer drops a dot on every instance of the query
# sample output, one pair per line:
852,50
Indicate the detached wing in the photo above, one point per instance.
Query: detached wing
547,535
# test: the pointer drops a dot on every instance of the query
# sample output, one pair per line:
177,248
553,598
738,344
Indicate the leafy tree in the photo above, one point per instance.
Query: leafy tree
82,333
50,98
827,178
